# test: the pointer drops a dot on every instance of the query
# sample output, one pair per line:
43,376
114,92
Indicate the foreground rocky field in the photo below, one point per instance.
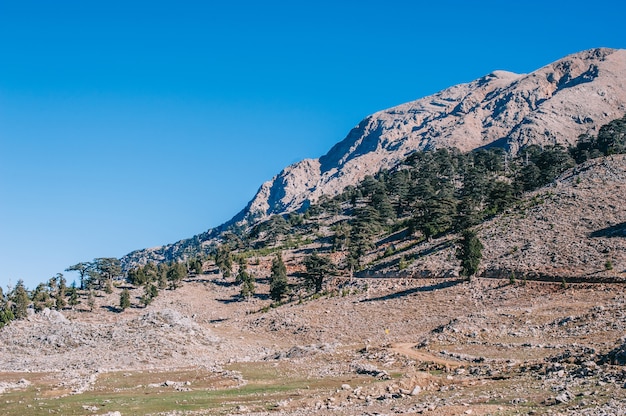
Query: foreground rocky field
373,346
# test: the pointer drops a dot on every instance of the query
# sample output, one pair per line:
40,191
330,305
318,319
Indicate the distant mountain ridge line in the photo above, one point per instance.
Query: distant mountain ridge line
500,109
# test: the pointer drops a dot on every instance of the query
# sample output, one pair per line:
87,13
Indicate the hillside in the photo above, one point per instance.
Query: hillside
568,230
384,346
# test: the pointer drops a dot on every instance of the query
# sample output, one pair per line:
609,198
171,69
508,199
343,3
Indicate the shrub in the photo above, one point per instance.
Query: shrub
124,299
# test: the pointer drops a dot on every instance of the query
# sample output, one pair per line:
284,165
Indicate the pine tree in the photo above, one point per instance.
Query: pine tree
242,274
278,279
176,273
318,268
364,226
245,279
500,197
162,270
20,300
91,300
6,315
151,272
73,296
137,276
82,269
195,266
435,216
41,298
470,253
52,285
248,288
223,260
612,137
150,292
60,302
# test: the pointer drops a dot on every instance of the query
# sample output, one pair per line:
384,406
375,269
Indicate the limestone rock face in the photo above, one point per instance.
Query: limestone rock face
554,104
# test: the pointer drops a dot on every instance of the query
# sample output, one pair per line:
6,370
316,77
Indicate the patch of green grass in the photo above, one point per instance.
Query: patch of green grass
130,393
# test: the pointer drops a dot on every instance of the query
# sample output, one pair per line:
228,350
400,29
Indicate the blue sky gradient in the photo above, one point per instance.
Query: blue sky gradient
126,125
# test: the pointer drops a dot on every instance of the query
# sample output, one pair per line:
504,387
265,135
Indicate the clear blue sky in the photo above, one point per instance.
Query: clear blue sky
131,124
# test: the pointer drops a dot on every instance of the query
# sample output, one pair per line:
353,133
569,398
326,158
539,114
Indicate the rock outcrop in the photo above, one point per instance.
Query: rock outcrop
555,104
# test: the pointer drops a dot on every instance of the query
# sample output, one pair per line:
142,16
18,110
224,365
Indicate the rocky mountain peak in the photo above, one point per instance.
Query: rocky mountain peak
554,104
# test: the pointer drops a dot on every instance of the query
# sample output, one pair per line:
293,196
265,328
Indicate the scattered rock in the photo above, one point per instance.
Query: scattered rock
370,370
6,386
564,397
616,356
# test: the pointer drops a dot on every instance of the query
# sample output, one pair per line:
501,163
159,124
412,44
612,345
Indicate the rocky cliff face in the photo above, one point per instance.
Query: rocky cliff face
554,104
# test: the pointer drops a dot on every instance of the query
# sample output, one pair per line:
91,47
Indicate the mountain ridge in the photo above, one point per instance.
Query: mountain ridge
500,109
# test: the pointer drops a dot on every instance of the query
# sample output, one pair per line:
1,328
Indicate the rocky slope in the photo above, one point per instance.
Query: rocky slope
388,346
554,104
572,229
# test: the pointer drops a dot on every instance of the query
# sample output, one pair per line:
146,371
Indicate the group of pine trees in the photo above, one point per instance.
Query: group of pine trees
154,277
245,280
55,294
98,274
429,194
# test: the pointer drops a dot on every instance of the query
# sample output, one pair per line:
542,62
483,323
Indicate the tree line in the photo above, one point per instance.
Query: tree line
55,294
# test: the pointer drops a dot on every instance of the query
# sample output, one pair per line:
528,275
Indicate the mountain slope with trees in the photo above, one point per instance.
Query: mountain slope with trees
446,213
552,105
548,107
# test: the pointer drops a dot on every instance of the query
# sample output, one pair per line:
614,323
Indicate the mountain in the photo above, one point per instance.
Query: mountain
554,104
